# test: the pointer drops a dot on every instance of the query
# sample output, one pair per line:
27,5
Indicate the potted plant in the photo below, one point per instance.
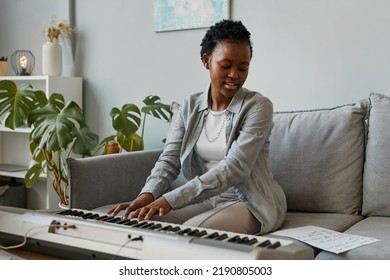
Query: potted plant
58,129
127,121
3,66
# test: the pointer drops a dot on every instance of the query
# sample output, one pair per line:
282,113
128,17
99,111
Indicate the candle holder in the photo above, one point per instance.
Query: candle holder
23,62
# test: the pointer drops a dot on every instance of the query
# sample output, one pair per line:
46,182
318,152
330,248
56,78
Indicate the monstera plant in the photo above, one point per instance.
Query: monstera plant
126,122
58,129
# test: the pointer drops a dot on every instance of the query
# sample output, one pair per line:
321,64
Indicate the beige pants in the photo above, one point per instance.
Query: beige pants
223,212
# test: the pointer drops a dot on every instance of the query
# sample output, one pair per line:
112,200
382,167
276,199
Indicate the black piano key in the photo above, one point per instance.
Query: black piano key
246,241
87,215
72,213
243,240
184,231
175,229
123,221
251,241
201,233
102,217
234,239
95,217
140,224
166,228
91,217
147,226
264,243
113,220
212,236
222,237
274,245
156,226
130,223
79,214
193,232
105,218
65,212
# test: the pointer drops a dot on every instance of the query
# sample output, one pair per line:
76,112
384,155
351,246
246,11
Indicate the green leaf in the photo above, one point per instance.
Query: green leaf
85,141
15,104
36,153
157,109
55,128
32,175
127,120
57,100
130,143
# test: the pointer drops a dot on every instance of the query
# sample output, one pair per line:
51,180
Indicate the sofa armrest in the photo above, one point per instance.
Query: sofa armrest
108,179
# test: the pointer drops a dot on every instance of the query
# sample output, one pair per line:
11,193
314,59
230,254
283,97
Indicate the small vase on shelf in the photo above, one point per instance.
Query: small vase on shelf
52,59
3,68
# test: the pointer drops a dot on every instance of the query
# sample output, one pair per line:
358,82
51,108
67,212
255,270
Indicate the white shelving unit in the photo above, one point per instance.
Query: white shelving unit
14,144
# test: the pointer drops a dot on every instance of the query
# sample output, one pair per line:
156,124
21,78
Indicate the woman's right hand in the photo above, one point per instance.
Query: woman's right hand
141,201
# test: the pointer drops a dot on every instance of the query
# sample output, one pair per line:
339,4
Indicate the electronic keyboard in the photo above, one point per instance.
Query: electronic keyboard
84,234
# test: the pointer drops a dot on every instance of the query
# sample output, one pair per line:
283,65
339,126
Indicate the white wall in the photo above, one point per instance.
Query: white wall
22,25
307,53
318,53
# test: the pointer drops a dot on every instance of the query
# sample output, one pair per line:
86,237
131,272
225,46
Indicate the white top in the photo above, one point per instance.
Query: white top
211,144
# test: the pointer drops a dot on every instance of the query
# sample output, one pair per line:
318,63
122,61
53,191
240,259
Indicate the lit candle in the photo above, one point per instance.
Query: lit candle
23,62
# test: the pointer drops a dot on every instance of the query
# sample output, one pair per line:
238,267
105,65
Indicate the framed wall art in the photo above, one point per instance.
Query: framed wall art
172,15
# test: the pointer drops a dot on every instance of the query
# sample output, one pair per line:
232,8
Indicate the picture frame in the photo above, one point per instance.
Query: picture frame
171,15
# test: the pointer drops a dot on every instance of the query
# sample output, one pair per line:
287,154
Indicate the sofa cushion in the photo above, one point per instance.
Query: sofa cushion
376,227
317,156
376,179
333,221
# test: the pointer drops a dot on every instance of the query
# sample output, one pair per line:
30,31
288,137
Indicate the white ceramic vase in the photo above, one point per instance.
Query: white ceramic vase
51,59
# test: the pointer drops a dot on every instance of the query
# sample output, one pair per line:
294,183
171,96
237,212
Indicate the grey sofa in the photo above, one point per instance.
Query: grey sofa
333,164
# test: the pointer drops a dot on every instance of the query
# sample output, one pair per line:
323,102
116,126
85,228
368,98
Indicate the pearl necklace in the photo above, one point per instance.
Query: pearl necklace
219,131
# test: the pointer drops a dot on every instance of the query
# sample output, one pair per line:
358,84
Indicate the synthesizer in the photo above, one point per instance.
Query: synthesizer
84,234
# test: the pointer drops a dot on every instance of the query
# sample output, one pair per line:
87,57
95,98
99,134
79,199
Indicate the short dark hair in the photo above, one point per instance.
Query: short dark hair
228,30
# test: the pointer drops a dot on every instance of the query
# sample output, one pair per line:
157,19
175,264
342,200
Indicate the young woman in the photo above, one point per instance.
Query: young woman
219,139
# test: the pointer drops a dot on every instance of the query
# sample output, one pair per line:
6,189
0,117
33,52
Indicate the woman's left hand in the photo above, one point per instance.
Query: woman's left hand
159,207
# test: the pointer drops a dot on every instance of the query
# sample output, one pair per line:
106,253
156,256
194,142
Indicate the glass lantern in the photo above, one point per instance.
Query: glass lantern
23,62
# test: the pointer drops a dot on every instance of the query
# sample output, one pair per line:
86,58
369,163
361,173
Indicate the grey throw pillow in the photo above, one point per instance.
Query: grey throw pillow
376,180
317,156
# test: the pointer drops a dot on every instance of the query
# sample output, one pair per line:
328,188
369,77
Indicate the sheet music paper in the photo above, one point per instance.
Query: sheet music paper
326,239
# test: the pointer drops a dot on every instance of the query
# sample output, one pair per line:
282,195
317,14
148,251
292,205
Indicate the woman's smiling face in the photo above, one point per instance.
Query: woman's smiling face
228,66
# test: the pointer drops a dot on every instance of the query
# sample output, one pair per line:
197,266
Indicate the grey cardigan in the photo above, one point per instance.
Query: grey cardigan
246,165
